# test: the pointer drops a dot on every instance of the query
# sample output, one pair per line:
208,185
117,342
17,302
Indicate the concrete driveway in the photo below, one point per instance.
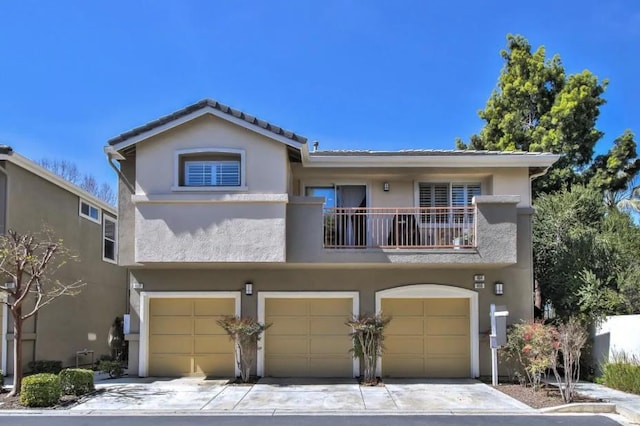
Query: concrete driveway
272,396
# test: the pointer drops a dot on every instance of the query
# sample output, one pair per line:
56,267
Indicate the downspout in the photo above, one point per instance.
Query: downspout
112,154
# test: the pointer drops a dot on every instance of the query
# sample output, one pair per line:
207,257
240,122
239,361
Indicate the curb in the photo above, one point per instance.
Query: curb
581,407
628,413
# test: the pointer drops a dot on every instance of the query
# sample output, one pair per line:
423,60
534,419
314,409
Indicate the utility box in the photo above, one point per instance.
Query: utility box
499,316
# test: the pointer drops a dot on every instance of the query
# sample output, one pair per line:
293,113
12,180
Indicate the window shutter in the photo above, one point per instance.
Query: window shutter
212,173
473,189
434,195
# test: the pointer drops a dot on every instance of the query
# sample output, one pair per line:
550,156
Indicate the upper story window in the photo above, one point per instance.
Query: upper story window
209,169
449,197
89,211
109,239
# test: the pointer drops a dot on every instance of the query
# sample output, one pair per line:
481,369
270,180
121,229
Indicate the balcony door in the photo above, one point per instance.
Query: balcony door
347,205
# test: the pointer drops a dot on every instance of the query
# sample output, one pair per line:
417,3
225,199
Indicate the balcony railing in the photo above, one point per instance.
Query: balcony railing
410,227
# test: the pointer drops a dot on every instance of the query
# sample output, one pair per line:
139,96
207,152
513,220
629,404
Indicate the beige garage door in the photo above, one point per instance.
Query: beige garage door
427,338
308,338
184,339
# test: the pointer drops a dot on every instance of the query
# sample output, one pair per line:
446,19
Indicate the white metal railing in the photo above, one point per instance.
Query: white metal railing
406,227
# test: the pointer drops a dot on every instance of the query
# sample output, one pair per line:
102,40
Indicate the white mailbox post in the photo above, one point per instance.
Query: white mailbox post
498,337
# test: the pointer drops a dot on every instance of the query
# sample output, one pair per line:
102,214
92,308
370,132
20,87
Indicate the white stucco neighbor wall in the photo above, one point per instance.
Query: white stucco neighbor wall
617,334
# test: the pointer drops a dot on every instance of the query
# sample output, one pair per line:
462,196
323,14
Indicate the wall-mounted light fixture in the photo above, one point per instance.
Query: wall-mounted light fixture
248,288
498,288
385,186
138,286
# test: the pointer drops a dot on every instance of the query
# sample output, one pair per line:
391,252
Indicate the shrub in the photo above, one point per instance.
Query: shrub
113,368
76,381
533,347
245,333
52,367
1,380
367,336
571,339
40,390
622,373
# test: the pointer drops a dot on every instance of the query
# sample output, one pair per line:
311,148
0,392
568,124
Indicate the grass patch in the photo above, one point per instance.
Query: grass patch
622,373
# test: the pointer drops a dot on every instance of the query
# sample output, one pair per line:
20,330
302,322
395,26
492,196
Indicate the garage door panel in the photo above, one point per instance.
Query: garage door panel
219,365
213,345
447,326
214,307
185,340
329,307
288,366
288,325
405,326
285,307
404,345
447,367
170,365
208,326
446,307
448,345
330,345
328,326
171,325
329,367
170,345
167,307
403,307
403,366
308,337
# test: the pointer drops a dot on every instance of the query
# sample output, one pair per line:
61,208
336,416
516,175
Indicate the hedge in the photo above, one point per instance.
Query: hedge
76,381
40,390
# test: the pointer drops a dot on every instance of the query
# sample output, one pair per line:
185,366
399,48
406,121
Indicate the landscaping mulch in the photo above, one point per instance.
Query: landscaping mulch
548,396
13,402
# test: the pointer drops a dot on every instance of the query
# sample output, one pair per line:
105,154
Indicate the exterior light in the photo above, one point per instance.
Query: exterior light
385,186
498,288
248,288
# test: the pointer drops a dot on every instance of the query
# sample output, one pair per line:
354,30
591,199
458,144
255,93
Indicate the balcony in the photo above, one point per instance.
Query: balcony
483,234
399,228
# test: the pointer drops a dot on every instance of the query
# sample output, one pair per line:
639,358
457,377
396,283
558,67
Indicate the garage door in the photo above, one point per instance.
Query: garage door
427,338
308,338
184,339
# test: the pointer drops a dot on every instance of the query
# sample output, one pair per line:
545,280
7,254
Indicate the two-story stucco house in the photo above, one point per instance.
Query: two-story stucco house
222,213
31,199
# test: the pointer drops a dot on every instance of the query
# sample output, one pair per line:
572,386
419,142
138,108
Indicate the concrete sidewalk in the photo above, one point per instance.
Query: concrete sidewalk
627,404
298,396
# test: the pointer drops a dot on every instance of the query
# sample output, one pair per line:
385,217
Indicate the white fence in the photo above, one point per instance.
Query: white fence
617,334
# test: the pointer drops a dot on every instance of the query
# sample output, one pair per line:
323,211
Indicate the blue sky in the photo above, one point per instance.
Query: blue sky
353,74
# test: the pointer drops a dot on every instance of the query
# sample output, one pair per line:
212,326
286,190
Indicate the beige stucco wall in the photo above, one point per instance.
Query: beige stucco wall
212,232
266,159
70,323
365,280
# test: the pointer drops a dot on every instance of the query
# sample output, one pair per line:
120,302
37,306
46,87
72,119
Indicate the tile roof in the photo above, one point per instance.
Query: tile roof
211,103
422,152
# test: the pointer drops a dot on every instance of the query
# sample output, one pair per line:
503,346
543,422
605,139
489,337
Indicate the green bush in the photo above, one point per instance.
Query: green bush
76,381
622,373
40,390
113,368
1,380
37,367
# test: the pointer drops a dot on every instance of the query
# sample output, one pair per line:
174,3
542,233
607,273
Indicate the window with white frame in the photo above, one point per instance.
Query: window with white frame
209,169
89,211
450,197
109,239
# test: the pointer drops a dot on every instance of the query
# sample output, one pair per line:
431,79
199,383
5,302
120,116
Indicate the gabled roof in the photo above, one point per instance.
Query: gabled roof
8,154
202,107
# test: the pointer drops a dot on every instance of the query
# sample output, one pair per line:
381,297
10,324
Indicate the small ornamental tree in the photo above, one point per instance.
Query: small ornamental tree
367,336
245,333
571,339
533,347
28,263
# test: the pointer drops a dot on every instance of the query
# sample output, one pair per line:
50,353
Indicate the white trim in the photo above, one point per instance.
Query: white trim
143,361
434,291
208,198
199,113
5,325
86,216
263,295
209,150
40,171
106,218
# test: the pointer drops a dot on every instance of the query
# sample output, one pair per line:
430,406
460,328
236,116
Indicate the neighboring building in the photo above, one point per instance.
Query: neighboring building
222,213
32,198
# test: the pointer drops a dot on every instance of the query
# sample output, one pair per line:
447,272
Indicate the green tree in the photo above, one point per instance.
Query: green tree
537,107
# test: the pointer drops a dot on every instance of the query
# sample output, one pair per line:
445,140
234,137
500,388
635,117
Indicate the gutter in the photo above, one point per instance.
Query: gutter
112,154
